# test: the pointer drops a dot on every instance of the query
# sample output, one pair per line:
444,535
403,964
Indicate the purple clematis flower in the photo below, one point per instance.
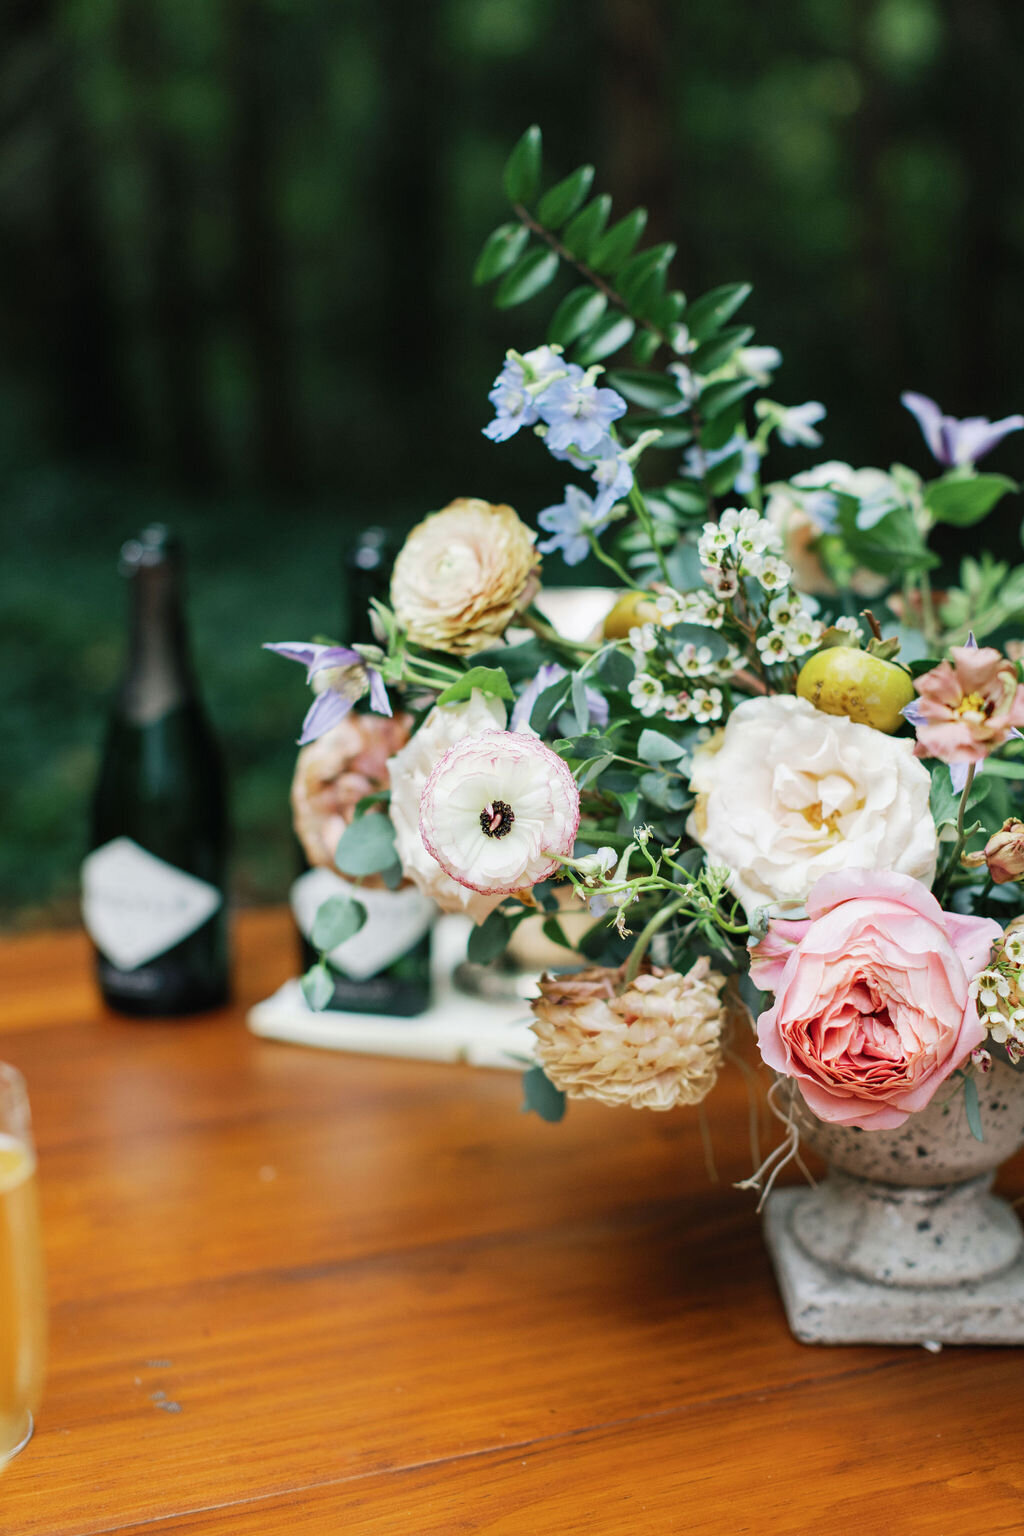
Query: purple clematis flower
956,442
548,674
338,676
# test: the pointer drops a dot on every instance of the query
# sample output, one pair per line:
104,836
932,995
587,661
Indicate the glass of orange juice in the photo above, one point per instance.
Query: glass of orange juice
22,1284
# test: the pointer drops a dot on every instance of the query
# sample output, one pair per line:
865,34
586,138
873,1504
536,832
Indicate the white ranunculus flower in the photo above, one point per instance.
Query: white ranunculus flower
409,770
496,808
786,794
463,575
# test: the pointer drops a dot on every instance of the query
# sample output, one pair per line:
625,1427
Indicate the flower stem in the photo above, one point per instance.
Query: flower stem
929,622
639,505
953,861
544,631
613,565
659,920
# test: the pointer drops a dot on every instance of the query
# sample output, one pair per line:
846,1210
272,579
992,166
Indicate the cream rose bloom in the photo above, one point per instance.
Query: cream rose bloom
652,1045
786,794
409,770
462,576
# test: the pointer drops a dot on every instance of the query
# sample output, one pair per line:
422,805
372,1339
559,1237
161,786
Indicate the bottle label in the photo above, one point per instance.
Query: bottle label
395,921
135,906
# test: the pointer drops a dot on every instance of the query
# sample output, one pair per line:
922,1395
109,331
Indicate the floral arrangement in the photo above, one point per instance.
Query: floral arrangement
781,778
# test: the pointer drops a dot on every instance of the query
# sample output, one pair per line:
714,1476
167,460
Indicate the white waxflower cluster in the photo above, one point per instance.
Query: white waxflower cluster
702,705
698,607
692,663
698,661
794,631
647,694
746,543
998,992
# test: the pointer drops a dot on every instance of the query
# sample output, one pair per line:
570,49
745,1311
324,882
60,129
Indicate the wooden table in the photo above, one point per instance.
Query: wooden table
300,1292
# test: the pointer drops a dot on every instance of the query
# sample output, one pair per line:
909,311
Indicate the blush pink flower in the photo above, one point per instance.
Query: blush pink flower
873,1009
495,810
335,772
968,707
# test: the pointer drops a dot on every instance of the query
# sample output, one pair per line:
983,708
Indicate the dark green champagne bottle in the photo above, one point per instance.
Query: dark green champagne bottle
154,884
385,967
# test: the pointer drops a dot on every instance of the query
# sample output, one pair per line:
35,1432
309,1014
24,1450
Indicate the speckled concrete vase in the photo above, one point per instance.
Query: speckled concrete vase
903,1243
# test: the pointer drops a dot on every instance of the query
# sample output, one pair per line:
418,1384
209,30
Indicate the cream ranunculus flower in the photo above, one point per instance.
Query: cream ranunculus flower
652,1045
462,576
409,770
786,794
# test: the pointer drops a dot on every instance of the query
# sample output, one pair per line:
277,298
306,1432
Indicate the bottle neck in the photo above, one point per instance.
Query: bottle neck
159,674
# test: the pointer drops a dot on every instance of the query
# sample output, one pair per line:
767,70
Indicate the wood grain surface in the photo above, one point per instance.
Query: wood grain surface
294,1291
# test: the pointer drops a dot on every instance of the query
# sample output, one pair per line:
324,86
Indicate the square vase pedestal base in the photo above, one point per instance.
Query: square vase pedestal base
825,1306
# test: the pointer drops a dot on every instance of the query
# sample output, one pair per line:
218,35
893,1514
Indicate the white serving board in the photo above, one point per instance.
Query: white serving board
457,1027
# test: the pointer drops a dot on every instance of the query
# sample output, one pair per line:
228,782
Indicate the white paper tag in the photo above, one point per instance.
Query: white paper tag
395,921
135,906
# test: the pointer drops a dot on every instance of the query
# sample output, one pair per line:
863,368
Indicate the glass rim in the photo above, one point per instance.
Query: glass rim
15,1111
13,1078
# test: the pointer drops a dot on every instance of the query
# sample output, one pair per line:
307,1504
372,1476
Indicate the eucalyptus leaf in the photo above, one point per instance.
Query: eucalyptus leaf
548,704
586,226
502,250
492,680
541,1096
942,799
578,312
366,846
580,704
488,941
528,277
337,919
594,769
317,987
522,168
616,670
667,794
653,747
562,200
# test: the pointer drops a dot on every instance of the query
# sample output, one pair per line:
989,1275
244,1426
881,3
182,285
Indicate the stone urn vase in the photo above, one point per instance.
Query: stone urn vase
903,1241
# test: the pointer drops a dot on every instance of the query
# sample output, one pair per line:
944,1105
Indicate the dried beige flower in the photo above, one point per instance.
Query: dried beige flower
462,576
654,1044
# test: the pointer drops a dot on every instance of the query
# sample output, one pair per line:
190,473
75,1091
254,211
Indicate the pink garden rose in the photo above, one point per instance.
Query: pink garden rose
968,707
872,1003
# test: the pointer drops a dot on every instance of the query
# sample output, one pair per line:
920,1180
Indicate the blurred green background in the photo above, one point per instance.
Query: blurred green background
235,246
